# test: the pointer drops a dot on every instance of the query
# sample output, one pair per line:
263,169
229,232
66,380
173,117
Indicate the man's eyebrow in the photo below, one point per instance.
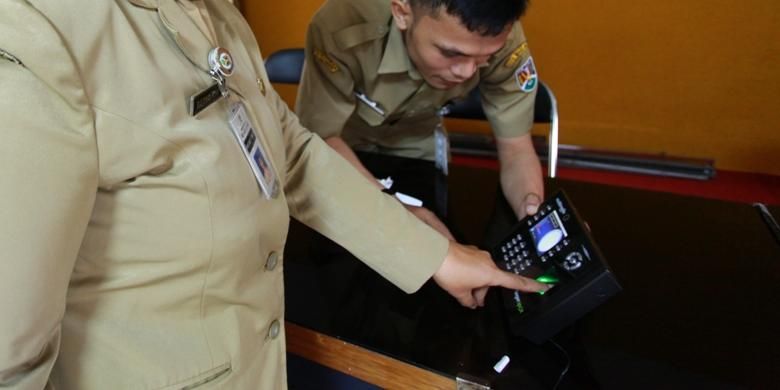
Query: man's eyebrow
455,51
451,50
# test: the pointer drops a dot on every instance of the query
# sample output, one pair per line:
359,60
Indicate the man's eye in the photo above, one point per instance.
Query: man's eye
449,53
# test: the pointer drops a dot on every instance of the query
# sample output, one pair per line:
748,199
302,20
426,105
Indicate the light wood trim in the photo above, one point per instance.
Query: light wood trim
361,363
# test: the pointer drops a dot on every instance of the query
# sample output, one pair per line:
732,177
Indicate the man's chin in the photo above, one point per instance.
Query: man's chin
443,84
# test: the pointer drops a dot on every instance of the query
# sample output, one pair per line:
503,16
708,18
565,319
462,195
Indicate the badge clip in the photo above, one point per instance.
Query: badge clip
222,66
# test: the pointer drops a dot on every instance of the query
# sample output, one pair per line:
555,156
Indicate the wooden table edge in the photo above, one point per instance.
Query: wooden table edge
361,363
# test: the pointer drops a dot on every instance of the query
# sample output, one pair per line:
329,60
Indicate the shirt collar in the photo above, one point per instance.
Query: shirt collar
396,58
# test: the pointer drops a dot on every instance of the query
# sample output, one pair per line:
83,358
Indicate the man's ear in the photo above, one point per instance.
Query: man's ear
402,13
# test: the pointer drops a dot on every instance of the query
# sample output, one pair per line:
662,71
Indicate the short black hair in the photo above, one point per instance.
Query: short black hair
486,17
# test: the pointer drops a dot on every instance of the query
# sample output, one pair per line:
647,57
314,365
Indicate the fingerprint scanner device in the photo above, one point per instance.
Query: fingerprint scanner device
554,247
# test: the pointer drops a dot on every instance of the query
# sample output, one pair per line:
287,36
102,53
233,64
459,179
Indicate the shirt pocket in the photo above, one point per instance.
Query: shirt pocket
369,114
417,113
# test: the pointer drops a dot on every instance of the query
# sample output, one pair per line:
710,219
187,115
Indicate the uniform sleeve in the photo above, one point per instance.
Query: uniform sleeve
325,94
47,188
508,87
326,193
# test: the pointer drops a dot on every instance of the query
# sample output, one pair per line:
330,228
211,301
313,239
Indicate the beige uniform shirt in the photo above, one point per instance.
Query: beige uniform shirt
353,46
138,251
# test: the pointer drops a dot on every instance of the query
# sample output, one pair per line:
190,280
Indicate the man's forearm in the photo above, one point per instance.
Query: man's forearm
425,215
521,174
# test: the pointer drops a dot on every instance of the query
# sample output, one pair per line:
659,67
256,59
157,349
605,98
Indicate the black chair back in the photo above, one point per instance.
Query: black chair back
471,106
285,66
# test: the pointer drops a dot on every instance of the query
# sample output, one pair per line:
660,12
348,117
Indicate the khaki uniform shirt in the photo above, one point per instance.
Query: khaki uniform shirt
353,46
137,248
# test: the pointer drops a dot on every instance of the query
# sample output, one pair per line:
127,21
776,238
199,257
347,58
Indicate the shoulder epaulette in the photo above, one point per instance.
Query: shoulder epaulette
352,36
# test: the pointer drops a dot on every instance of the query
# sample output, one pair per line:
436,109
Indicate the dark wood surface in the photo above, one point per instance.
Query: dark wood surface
700,280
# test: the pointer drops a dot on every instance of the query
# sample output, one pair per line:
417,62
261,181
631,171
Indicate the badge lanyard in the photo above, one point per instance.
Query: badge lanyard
221,67
221,63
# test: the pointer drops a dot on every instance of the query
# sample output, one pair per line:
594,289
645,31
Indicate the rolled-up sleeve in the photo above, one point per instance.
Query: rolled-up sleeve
509,109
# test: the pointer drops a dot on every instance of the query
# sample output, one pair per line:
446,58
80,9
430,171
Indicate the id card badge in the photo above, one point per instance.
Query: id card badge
442,148
253,150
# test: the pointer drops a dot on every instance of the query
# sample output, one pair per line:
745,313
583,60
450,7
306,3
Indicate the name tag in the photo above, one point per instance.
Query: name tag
253,151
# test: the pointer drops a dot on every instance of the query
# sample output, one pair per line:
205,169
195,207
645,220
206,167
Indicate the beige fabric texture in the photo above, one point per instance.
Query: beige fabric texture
134,237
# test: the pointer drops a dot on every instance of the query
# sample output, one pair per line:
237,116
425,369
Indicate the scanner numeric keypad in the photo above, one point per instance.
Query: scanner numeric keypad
516,255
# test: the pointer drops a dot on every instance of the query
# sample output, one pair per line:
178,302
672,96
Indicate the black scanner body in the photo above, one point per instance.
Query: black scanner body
554,246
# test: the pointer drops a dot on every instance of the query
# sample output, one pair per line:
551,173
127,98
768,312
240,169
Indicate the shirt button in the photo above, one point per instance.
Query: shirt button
272,260
273,332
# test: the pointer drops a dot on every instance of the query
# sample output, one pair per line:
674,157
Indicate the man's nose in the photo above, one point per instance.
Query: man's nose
464,70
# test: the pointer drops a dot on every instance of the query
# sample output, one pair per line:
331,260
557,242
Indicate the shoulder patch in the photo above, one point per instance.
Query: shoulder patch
10,57
526,76
516,55
326,61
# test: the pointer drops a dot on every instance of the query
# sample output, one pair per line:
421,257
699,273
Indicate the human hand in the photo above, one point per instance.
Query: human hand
431,220
521,174
468,272
530,204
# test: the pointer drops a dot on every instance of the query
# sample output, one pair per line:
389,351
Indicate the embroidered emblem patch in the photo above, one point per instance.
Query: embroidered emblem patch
526,76
516,55
325,60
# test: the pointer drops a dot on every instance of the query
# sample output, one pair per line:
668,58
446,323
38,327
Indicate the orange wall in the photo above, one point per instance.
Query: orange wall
685,78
